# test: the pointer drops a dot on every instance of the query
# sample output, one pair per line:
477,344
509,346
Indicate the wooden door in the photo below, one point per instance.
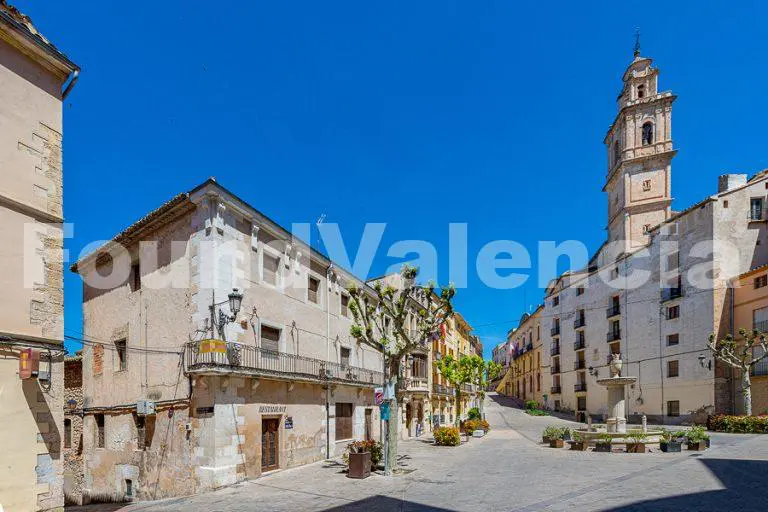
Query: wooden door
270,442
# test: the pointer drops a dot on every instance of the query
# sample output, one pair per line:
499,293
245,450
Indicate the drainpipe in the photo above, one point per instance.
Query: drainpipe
328,358
72,79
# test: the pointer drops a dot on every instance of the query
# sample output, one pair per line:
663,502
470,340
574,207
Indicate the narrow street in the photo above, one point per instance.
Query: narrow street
509,470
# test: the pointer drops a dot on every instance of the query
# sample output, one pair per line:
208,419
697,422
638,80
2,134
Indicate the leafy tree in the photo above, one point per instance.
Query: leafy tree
457,372
739,355
397,321
485,372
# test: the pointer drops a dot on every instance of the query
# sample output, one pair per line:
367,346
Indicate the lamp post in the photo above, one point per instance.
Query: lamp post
235,301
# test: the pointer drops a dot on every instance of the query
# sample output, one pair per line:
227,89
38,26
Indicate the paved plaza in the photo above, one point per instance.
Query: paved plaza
510,470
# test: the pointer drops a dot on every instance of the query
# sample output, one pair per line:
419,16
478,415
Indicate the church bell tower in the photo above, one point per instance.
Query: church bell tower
640,151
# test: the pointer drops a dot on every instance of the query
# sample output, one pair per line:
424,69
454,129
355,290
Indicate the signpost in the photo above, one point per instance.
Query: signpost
378,396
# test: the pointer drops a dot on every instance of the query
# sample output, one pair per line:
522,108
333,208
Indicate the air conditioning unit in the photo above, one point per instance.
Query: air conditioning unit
145,407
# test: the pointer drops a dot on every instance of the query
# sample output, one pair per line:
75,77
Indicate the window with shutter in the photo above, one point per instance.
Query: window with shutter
270,338
343,421
313,286
344,305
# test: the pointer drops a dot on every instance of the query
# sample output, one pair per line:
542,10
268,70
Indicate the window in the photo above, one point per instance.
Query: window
556,301
122,354
344,305
313,286
99,430
673,312
129,488
673,408
419,367
646,185
640,91
580,290
761,281
616,152
345,356
648,133
141,431
67,433
673,368
673,339
760,319
756,208
615,273
270,338
270,268
557,405
136,274
343,421
725,204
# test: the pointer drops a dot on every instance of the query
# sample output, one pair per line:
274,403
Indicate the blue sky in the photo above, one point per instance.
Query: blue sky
416,114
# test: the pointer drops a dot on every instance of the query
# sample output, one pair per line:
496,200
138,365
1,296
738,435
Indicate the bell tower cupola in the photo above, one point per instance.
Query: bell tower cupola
639,153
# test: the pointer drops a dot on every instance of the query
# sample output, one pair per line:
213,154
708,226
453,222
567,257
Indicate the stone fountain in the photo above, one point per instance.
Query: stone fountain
616,384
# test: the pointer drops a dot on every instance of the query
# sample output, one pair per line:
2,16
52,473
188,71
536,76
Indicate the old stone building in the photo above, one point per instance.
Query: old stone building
659,285
35,77
193,386
72,442
525,380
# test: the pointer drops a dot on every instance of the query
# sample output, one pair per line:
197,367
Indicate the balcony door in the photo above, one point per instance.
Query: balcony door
270,442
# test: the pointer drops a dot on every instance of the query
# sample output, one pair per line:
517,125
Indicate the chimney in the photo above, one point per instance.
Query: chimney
730,181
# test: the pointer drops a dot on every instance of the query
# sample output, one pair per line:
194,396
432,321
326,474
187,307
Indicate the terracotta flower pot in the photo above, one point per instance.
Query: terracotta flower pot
699,446
556,443
635,447
359,465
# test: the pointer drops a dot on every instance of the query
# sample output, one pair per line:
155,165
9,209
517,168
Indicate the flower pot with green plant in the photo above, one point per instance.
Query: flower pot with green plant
550,432
697,438
669,442
578,443
636,441
603,443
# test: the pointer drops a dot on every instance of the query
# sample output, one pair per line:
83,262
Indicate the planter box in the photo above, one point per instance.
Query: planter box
579,445
671,447
478,433
635,447
359,465
700,446
556,443
603,447
545,440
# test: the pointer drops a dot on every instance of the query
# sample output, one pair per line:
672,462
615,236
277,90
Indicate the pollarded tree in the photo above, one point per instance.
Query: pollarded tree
397,321
740,355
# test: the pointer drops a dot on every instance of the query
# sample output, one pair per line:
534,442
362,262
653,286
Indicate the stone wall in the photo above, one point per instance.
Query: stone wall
73,428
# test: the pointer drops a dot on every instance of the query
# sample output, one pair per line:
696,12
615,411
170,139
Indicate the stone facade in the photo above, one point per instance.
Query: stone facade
655,295
524,378
289,382
33,74
72,441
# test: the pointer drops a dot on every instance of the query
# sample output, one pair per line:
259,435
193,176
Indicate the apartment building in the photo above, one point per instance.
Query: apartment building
750,311
35,77
219,349
657,287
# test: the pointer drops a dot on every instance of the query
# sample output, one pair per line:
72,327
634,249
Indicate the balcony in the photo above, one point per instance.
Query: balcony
529,347
579,323
415,385
614,310
213,357
614,336
579,364
579,345
761,326
671,293
555,369
555,390
555,331
579,387
440,389
555,350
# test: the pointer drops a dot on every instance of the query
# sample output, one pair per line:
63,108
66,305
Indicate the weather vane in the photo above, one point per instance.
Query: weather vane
637,41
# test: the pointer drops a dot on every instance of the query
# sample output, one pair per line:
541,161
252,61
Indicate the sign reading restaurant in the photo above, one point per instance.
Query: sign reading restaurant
272,409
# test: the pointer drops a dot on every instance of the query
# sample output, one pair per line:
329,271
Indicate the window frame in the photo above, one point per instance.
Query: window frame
669,339
101,430
676,408
673,309
673,363
121,355
346,432
651,139
270,325
269,252
320,299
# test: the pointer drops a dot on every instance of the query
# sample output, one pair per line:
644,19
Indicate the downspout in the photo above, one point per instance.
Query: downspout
731,383
72,79
328,358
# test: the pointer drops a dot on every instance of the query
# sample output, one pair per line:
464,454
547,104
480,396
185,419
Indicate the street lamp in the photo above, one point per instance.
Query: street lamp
235,301
704,363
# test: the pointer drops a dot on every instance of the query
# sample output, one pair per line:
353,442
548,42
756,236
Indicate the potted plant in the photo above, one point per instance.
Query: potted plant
669,442
359,460
556,439
697,438
603,443
551,432
636,443
578,443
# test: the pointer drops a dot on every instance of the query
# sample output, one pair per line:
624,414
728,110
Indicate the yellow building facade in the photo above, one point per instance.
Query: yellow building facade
524,380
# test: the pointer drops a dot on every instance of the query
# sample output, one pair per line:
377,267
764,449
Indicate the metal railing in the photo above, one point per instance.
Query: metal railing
555,350
579,364
442,389
555,331
579,323
227,356
555,390
579,345
529,347
613,310
614,335
555,369
580,386
671,293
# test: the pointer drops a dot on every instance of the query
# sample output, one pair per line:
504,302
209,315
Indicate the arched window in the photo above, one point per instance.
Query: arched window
647,133
640,91
616,152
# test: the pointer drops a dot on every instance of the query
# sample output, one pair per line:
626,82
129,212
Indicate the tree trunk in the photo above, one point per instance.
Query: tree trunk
392,436
458,405
746,391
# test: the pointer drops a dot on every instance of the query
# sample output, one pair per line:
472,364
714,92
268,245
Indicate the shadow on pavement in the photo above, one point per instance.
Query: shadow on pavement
385,503
745,490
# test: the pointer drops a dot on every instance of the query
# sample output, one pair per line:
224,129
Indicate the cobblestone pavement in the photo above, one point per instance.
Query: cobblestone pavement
509,471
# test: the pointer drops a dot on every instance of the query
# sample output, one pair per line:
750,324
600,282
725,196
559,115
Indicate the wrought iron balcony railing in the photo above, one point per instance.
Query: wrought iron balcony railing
613,310
555,350
614,335
555,331
580,386
213,356
442,389
579,345
579,364
579,323
555,370
555,390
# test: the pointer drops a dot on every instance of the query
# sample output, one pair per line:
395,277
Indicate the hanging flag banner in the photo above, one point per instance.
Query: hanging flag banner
384,407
